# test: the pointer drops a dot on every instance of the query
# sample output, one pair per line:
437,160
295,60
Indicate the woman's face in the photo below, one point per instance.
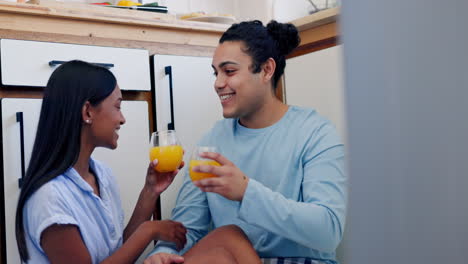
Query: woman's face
106,120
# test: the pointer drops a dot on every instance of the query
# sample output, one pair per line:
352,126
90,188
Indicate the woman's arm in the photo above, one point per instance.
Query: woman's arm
144,208
155,184
63,243
59,242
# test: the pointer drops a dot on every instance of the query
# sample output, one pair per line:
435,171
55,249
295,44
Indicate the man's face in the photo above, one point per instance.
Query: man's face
242,93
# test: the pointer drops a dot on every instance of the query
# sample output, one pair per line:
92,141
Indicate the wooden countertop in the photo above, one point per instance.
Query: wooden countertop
80,23
317,31
87,12
317,19
97,25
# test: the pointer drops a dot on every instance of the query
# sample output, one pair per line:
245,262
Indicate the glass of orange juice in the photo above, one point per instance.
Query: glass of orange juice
165,147
196,160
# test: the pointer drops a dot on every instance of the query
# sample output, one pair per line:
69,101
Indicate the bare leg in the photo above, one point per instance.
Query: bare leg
216,255
227,244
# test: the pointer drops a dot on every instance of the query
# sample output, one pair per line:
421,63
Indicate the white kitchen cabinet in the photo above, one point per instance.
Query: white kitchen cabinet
316,80
12,161
196,107
30,63
128,162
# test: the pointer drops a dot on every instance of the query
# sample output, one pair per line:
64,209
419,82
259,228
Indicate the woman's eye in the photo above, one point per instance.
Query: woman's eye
230,71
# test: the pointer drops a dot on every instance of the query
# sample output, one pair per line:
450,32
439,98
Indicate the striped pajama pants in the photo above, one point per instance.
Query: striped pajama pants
294,261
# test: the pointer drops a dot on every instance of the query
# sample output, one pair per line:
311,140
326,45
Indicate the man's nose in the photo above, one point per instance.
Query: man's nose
220,82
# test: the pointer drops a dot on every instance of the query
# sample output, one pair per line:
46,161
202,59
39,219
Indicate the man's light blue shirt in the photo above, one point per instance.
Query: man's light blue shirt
69,199
295,201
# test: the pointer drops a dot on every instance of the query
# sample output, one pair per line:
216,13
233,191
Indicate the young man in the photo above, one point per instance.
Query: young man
281,179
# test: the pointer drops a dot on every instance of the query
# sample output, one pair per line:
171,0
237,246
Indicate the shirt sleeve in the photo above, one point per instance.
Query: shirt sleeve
318,220
192,210
43,209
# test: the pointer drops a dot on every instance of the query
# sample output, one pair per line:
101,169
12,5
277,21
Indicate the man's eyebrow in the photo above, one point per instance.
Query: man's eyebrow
224,63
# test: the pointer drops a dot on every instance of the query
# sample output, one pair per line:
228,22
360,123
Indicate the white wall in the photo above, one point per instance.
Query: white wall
254,9
316,80
288,10
189,6
264,10
241,9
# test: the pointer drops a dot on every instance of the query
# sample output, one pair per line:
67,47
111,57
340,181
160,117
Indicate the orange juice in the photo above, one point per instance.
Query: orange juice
169,157
195,176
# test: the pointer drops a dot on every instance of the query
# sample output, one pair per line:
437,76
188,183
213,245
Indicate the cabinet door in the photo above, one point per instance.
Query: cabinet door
316,80
11,147
130,160
30,63
196,107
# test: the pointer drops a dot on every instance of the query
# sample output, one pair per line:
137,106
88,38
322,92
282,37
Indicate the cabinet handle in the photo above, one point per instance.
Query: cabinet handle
19,118
54,63
168,71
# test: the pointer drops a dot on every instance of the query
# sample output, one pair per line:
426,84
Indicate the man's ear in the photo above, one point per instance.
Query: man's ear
87,113
268,69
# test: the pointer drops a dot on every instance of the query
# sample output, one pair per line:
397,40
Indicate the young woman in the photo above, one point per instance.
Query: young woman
69,210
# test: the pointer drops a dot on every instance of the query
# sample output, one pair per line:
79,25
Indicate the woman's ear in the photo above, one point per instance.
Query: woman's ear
268,69
87,113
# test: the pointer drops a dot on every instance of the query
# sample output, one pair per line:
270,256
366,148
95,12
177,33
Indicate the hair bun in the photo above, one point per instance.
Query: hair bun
285,34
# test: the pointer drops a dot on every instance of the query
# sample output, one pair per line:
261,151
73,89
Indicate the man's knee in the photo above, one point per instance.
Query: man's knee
222,253
230,229
212,255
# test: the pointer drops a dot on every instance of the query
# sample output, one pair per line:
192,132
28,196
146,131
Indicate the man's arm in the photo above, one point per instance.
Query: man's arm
318,221
315,222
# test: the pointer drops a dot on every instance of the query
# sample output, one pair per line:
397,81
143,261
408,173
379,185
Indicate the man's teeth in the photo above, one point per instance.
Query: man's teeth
225,97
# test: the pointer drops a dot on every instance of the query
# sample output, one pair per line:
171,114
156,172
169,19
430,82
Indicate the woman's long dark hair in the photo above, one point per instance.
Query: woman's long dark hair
275,40
57,144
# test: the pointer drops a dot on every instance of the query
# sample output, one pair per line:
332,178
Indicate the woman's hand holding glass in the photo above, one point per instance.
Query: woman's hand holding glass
166,148
230,182
166,156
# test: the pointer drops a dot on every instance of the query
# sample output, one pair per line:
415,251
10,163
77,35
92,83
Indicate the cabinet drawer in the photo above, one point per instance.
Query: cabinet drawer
28,63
